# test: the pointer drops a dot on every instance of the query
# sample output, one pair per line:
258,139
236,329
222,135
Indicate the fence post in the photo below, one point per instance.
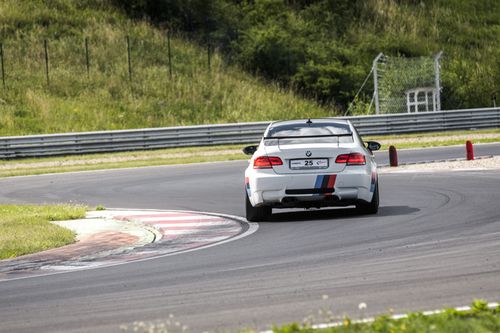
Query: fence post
87,57
46,48
375,83
208,54
169,55
2,64
129,60
438,80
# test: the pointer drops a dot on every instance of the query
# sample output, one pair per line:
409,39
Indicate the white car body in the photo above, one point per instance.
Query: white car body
314,171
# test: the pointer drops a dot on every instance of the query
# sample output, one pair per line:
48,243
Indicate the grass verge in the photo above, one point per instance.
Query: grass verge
478,319
35,166
27,229
171,156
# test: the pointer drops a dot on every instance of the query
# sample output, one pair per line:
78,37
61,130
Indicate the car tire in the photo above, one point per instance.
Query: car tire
256,214
369,207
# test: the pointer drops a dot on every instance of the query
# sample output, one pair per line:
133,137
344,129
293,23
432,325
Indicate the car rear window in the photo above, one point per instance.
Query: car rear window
310,133
305,129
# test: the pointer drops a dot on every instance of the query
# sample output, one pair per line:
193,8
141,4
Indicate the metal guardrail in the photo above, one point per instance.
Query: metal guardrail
205,135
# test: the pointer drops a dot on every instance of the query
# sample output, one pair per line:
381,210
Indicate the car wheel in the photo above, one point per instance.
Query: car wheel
369,207
256,214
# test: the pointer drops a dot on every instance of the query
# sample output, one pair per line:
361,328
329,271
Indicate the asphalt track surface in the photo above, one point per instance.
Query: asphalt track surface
435,243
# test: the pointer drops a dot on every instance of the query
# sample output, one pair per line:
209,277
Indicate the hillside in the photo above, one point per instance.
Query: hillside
105,96
324,49
269,59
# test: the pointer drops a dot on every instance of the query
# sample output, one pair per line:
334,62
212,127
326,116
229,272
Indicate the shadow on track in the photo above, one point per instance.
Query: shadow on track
338,213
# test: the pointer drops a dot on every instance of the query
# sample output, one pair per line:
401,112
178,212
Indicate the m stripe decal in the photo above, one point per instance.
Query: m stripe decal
319,181
331,183
326,182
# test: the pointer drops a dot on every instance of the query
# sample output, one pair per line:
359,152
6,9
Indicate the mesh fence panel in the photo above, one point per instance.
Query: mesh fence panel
406,84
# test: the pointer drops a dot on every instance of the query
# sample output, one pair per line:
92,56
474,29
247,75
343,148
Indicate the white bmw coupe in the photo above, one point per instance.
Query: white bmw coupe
310,163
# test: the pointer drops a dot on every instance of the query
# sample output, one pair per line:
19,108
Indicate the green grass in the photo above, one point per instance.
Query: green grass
172,156
479,319
120,165
106,100
27,229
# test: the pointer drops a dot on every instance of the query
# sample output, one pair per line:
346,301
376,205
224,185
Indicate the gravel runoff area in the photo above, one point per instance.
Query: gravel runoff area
483,163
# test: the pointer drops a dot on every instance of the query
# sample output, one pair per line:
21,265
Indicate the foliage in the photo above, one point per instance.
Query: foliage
27,229
324,48
479,319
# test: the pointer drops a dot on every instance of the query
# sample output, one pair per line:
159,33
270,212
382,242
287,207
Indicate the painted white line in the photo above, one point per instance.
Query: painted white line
213,230
160,219
198,239
192,224
395,317
72,268
177,232
122,212
169,232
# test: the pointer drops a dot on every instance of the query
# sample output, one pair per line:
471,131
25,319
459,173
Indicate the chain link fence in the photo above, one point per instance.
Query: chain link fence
29,63
406,84
399,85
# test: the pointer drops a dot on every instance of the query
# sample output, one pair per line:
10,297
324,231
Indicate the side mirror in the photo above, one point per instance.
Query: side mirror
249,150
372,145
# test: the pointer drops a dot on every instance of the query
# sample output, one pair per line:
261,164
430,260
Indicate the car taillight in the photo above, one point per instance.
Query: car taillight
266,162
342,158
351,159
356,159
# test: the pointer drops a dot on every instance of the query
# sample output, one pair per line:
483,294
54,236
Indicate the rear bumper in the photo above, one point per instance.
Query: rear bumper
265,187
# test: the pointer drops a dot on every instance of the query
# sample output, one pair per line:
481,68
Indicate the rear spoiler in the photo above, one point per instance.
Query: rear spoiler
306,136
